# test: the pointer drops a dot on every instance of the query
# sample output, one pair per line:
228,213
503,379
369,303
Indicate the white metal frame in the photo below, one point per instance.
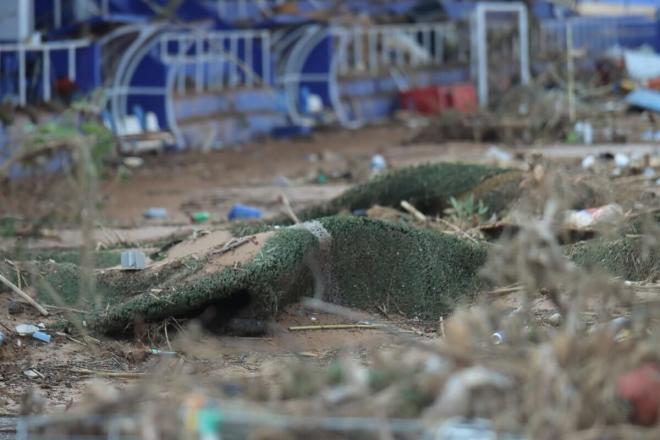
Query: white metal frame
45,48
591,34
369,49
102,6
242,7
210,52
480,43
291,74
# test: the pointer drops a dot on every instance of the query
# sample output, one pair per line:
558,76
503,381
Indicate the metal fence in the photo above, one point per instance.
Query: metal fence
245,9
43,51
594,35
370,49
218,60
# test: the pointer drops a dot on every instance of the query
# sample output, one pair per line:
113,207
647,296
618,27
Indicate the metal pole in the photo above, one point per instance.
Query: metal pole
222,61
181,79
524,45
57,12
357,50
233,51
426,43
46,74
249,46
399,54
242,4
439,44
372,48
482,60
265,59
570,69
71,63
199,63
22,86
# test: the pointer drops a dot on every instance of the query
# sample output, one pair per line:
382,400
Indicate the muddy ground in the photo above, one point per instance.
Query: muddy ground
254,174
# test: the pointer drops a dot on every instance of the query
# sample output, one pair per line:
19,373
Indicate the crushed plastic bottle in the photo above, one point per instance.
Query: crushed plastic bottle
592,217
378,164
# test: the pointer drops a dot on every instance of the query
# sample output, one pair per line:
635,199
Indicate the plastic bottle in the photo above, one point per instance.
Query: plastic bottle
244,212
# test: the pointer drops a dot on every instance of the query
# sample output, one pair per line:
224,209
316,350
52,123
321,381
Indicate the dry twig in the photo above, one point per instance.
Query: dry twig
23,295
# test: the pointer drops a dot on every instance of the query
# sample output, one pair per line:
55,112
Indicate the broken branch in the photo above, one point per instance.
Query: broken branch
116,374
301,328
414,211
23,295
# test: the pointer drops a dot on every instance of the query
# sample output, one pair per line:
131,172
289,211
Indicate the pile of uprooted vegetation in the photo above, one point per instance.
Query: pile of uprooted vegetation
578,357
369,264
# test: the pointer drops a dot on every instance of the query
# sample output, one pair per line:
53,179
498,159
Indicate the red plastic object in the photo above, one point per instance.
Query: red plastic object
641,388
653,83
463,97
436,99
425,100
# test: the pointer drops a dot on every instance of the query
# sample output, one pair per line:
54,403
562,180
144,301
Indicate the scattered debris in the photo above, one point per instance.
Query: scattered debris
23,295
300,328
641,388
26,329
116,374
14,307
200,217
31,373
244,212
155,213
133,260
41,336
378,164
133,161
644,99
611,214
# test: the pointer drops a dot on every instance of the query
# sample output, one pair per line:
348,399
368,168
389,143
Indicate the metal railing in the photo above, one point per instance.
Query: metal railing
594,35
83,9
370,49
218,59
44,51
244,9
479,42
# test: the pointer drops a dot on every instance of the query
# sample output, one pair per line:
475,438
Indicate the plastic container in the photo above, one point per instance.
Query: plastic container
244,212
41,336
155,213
133,260
26,329
200,216
378,164
593,217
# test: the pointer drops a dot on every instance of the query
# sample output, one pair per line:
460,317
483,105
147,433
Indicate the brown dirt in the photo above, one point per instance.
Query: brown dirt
199,246
214,181
241,254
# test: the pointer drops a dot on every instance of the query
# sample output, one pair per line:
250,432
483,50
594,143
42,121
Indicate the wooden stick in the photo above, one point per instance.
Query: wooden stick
414,211
116,374
502,291
232,244
288,209
458,230
301,328
24,295
68,309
